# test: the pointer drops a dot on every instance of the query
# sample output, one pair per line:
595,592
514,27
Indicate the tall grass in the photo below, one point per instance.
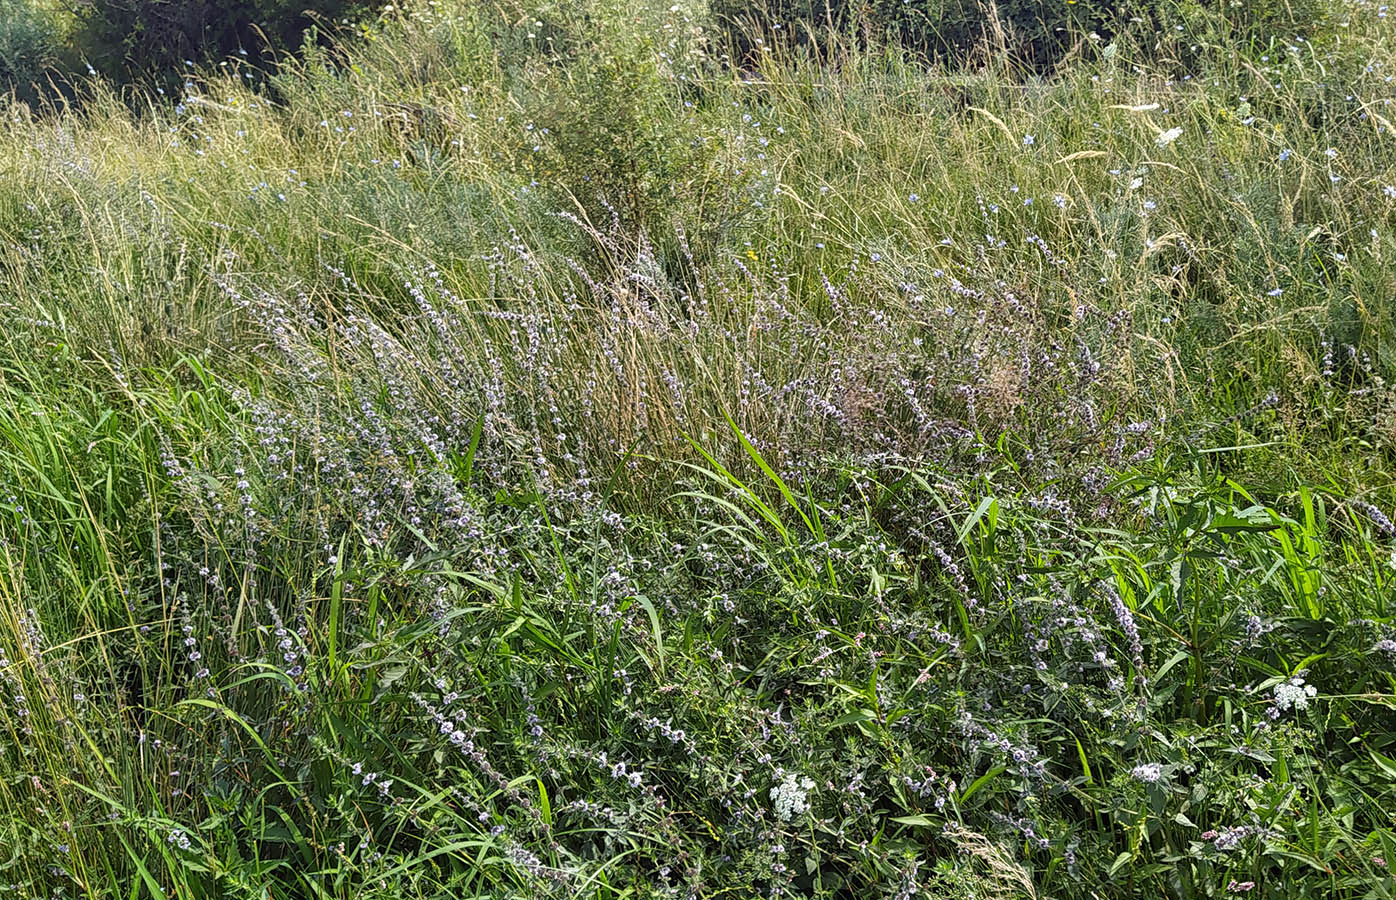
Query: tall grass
515,452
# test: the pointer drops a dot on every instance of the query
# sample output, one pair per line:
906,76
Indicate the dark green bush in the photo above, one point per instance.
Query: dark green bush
1035,34
29,47
132,38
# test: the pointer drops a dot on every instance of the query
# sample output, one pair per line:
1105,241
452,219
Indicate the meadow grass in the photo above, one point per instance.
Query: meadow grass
523,451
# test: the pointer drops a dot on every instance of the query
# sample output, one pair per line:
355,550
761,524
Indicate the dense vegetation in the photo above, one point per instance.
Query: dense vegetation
540,450
1034,36
46,45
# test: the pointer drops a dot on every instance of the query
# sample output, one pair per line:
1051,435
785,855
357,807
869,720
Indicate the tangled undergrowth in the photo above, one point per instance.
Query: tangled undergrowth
848,478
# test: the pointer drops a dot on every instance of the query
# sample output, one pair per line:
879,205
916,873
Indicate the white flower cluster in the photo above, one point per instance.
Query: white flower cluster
1149,773
1294,693
790,798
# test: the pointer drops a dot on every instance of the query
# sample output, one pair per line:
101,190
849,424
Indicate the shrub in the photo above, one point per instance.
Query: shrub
126,38
601,103
1036,34
616,145
28,47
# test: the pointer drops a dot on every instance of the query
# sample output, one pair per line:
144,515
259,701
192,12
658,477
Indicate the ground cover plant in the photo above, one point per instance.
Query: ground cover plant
528,450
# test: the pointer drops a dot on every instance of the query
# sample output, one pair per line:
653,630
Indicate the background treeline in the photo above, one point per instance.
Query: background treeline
45,44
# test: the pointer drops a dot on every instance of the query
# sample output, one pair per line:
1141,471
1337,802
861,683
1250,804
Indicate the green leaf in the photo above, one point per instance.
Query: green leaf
543,804
1385,763
859,715
336,604
519,622
726,478
1085,766
981,781
151,884
770,473
1301,857
1168,664
913,820
474,445
1229,524
984,507
658,633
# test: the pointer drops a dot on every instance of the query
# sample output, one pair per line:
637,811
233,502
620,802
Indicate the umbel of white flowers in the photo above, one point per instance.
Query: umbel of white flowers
791,798
1294,693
